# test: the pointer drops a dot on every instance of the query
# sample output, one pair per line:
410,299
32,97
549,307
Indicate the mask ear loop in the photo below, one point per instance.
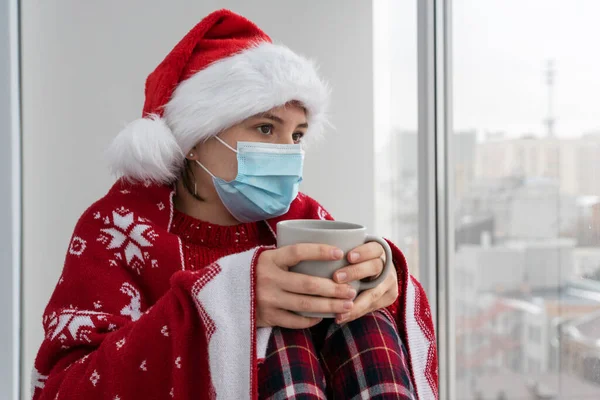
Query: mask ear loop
204,168
225,144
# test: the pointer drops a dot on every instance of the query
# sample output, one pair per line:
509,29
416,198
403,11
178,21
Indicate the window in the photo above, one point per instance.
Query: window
395,63
525,143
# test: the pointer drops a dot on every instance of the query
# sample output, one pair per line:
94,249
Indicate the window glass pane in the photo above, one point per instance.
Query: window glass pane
525,150
395,67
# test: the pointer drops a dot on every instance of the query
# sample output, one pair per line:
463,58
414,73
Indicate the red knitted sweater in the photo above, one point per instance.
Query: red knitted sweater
153,304
205,243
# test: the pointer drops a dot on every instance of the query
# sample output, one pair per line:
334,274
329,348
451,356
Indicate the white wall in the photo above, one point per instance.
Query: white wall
84,66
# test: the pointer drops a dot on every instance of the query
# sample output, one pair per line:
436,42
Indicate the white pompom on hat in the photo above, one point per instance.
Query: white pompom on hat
223,71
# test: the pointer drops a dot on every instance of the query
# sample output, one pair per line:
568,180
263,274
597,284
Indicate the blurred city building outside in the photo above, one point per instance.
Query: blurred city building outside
527,253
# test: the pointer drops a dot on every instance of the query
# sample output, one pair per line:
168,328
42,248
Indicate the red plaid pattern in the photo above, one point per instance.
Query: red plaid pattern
363,359
291,369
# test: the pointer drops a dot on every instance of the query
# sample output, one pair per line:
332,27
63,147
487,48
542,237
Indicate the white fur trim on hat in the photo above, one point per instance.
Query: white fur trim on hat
146,150
215,98
245,84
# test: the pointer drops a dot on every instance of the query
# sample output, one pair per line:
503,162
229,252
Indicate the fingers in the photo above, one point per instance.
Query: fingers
312,304
365,262
365,252
289,256
287,319
372,299
366,302
354,272
317,286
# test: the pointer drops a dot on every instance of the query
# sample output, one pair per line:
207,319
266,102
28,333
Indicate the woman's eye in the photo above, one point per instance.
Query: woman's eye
265,129
297,136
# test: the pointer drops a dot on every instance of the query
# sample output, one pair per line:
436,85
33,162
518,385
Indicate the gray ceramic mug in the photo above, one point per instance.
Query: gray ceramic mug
343,235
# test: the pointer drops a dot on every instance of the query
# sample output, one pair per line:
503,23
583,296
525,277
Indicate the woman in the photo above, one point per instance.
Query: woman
172,285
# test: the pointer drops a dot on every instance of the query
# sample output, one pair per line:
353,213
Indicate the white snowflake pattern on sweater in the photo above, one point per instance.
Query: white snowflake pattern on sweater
71,324
127,235
165,331
95,377
120,344
77,246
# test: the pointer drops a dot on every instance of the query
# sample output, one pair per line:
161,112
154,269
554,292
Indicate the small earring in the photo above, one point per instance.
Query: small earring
191,154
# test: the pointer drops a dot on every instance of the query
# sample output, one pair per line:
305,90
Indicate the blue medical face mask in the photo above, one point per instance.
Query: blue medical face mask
266,183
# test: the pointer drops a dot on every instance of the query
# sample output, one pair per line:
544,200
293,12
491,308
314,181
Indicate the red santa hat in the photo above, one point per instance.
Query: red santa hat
223,71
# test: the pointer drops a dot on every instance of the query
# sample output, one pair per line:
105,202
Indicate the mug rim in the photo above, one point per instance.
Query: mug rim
296,224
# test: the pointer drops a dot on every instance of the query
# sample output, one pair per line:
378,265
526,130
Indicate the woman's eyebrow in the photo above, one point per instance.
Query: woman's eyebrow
269,116
275,118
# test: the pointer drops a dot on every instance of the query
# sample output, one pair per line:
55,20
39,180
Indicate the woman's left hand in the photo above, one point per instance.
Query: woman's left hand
367,261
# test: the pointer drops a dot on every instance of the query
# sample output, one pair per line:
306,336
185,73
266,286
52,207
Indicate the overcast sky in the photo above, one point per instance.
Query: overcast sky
501,48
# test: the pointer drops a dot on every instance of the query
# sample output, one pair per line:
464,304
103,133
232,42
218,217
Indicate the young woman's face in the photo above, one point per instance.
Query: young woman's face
281,125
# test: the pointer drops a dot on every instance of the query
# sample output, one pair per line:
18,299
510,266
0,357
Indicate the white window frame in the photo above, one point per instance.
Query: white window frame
436,233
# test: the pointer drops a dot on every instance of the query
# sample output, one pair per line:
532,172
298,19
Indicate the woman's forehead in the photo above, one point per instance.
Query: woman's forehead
284,110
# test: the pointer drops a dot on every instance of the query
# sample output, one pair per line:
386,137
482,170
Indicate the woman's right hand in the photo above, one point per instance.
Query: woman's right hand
279,292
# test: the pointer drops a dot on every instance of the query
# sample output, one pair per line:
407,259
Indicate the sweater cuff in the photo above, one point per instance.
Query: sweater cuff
402,274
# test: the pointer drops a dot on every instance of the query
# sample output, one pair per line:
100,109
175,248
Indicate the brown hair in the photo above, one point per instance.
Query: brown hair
188,179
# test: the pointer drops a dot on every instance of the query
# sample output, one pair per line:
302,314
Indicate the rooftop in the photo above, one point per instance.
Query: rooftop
585,329
575,293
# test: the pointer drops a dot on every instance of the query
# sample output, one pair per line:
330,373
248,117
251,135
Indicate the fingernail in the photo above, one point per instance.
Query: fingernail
353,257
347,305
337,253
341,276
351,293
